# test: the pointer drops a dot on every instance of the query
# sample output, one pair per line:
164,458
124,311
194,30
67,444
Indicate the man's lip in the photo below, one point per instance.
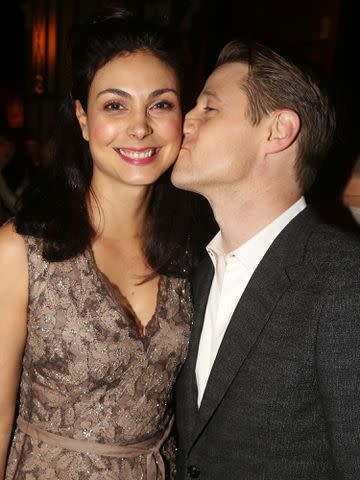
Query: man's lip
185,146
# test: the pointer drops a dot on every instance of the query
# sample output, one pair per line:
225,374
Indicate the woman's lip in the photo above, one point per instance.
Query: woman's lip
142,149
140,160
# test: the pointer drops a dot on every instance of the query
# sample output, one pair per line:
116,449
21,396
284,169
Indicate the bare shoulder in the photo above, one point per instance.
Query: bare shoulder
13,324
13,256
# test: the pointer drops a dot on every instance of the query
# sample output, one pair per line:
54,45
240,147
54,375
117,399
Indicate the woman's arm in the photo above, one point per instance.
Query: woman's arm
13,320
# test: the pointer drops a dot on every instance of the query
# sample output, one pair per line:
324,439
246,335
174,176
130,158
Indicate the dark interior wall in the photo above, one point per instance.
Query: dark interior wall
346,73
345,80
324,32
12,51
312,28
12,40
307,29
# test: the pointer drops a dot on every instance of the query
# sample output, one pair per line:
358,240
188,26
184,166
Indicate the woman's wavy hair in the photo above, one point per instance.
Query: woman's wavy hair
54,208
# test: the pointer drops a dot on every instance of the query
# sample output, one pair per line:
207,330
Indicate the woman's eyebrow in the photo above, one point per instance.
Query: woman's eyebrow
123,93
161,91
115,91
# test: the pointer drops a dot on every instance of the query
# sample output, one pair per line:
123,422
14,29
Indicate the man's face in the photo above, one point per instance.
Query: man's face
221,148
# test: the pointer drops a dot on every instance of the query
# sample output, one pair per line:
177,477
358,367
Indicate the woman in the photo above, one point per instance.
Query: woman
94,303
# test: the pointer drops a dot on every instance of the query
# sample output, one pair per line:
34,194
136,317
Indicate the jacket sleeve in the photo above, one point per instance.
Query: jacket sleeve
338,366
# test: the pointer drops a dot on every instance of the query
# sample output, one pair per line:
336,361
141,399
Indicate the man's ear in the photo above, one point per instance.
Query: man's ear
283,131
82,119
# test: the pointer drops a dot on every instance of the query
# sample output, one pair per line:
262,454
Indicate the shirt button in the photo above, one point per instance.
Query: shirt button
193,471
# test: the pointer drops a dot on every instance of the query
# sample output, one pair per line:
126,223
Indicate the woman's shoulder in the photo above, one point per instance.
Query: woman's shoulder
12,244
13,252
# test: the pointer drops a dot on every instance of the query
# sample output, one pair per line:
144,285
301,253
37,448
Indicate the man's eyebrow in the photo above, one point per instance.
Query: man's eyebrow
210,93
123,93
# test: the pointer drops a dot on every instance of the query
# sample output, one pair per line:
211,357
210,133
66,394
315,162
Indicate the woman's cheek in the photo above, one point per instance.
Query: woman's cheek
173,129
104,131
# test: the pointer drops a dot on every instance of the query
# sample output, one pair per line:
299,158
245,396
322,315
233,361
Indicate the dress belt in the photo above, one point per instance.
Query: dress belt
155,467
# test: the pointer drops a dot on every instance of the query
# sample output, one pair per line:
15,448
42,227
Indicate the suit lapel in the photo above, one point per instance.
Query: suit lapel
187,380
249,318
267,285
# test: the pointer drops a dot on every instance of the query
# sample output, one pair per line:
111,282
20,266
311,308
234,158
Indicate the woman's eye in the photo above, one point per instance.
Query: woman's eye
164,105
209,109
114,106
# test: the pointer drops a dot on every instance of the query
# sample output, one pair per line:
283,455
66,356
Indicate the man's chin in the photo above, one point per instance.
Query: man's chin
178,181
183,179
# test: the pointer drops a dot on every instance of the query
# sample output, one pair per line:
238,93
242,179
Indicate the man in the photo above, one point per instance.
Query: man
271,386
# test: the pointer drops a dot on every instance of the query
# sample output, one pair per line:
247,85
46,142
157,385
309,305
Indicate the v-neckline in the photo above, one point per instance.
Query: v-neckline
143,331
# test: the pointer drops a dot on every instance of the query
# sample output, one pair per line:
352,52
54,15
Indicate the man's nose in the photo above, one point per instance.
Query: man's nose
189,123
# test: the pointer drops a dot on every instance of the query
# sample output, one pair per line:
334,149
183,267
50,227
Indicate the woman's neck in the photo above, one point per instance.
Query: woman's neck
119,212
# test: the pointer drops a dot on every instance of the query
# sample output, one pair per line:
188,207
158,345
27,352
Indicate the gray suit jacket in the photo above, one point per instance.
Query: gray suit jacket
283,398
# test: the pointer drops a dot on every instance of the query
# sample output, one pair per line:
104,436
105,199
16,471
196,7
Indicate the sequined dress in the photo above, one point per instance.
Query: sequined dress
88,373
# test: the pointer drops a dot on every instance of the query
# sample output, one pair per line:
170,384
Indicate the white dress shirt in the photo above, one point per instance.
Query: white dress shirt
233,271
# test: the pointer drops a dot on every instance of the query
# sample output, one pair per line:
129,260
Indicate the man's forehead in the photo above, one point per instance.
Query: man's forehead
208,92
230,73
227,77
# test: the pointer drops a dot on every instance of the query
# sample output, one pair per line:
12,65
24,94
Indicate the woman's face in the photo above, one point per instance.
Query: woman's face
133,121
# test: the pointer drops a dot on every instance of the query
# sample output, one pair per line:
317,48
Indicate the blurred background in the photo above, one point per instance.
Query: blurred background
33,80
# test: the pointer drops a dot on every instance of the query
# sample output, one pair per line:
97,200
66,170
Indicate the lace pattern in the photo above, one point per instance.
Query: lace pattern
88,373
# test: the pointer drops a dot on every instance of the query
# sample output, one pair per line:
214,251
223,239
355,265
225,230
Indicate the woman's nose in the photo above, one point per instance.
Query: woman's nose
139,126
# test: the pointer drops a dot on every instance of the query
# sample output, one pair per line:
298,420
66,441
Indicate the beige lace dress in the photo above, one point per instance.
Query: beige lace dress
96,395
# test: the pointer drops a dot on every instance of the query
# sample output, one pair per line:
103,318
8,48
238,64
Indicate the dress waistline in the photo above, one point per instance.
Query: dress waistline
155,467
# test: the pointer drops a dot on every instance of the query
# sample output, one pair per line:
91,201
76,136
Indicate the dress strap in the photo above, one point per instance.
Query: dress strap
155,467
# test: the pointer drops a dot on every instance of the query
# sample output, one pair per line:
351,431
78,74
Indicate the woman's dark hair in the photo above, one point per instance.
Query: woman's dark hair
55,208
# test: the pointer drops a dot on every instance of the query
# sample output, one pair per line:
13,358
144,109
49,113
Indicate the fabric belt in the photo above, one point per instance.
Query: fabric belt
155,467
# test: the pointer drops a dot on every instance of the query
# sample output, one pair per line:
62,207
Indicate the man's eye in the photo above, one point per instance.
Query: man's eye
208,109
114,106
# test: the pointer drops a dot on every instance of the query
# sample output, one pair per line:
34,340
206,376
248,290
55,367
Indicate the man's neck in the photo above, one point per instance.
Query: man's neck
239,220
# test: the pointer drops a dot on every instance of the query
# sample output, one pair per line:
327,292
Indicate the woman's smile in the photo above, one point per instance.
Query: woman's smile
133,108
139,156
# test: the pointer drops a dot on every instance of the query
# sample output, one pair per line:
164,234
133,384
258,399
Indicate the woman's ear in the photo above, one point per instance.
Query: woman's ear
284,129
82,119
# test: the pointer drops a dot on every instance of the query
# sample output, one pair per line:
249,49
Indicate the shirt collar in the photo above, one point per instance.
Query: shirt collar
251,252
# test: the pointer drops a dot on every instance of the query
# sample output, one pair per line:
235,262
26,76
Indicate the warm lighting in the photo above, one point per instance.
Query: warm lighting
44,45
39,52
15,112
